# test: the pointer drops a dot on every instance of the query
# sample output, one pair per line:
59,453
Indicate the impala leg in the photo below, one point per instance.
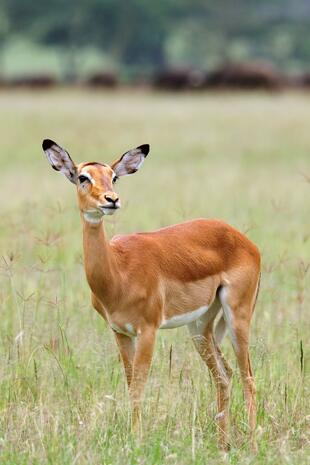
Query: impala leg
220,330
126,347
226,365
221,373
246,373
238,318
141,364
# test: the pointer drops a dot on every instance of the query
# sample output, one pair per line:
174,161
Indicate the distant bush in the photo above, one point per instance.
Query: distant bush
103,79
304,80
245,76
178,79
33,81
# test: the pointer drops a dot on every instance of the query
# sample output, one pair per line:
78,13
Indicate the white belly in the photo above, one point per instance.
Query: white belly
184,319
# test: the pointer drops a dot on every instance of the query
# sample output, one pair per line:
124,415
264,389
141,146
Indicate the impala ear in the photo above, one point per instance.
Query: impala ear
59,159
131,161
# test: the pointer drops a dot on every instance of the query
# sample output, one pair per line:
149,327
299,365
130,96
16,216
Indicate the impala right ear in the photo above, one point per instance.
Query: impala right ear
131,161
60,160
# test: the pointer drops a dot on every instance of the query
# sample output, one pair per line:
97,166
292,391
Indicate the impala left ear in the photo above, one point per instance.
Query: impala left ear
59,159
131,161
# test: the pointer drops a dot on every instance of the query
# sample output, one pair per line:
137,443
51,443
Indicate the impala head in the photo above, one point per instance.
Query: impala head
95,181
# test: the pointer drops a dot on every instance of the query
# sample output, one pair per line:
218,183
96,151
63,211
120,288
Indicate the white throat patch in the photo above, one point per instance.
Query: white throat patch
93,216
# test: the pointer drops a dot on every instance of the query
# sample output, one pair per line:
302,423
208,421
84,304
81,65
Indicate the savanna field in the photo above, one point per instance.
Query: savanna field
243,158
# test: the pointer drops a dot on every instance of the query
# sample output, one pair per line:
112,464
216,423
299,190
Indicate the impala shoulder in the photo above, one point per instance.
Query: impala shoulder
133,248
128,240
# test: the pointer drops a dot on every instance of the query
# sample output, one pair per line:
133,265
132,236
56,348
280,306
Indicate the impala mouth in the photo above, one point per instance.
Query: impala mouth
109,208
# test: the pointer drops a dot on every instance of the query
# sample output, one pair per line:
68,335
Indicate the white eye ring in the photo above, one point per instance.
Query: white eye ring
83,178
114,179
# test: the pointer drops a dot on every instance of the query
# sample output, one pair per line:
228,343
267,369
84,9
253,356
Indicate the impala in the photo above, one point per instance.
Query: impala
202,273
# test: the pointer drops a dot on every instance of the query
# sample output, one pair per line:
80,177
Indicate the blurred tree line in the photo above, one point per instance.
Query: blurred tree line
146,35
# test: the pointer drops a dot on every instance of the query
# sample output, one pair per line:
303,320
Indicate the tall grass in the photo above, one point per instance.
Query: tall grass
241,158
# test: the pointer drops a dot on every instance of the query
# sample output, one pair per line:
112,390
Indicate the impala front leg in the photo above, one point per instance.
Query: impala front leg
141,364
126,347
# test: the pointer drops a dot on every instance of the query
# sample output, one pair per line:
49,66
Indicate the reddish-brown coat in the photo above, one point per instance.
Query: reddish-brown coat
170,271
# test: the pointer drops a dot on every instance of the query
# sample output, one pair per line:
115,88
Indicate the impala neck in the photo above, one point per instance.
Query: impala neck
99,261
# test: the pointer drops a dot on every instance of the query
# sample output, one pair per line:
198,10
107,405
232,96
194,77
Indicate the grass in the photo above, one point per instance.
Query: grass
242,158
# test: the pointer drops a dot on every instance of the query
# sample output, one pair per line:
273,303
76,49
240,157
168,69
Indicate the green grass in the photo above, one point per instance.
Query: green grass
242,158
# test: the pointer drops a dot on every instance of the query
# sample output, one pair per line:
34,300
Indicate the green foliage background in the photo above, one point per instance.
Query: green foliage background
138,36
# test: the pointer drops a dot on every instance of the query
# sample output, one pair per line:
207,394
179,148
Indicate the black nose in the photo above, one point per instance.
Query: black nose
110,199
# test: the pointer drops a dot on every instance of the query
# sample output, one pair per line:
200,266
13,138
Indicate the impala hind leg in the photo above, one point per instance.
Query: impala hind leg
141,365
220,330
238,318
221,372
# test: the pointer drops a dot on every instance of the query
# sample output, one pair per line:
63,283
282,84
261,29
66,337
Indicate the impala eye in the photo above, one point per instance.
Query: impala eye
114,179
83,178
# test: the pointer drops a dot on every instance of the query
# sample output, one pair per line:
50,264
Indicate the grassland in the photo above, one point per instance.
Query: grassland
63,398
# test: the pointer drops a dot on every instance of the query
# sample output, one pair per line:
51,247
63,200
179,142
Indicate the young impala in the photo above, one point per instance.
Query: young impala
185,274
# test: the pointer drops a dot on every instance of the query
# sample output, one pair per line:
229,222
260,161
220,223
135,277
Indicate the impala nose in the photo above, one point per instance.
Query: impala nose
111,198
